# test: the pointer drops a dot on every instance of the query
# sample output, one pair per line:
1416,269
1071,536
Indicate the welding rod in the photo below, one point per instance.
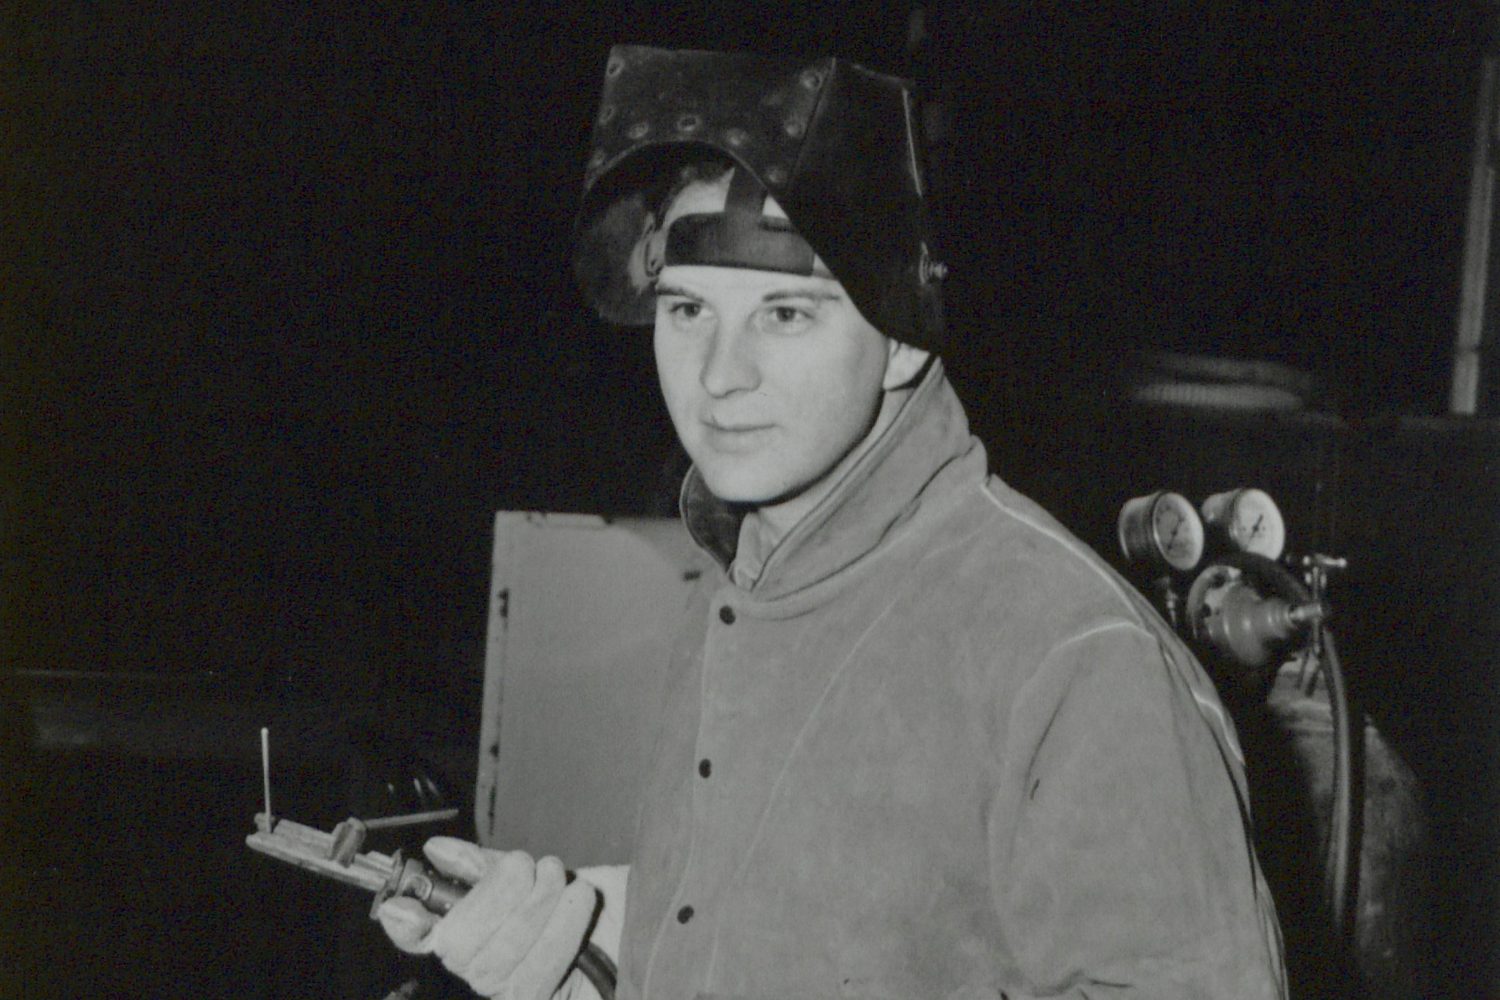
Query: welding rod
265,771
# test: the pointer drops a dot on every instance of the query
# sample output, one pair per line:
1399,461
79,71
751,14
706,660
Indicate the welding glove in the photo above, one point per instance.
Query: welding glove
516,932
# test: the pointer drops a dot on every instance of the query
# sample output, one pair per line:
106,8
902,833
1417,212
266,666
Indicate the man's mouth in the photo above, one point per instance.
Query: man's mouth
734,434
733,426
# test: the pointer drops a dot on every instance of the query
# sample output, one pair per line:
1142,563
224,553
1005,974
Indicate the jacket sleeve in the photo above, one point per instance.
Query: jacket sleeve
1119,835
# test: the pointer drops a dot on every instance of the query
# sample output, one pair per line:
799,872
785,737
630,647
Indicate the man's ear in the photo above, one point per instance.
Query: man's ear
903,363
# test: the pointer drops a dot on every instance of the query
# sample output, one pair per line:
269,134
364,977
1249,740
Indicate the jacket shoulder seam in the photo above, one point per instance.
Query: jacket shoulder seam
1069,545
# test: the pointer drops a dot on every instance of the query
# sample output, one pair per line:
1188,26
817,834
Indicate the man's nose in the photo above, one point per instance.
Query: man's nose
729,365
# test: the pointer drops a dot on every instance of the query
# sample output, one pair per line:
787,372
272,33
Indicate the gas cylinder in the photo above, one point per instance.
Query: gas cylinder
1289,748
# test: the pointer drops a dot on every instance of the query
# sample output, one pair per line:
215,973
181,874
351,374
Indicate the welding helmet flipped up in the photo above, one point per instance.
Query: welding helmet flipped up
834,145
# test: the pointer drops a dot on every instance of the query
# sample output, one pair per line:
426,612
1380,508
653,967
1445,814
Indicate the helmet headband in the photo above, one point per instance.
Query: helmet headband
742,235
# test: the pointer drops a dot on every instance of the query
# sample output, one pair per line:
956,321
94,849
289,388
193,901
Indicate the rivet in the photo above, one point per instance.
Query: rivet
776,175
607,114
811,79
597,160
927,269
736,137
689,123
615,67
795,128
638,130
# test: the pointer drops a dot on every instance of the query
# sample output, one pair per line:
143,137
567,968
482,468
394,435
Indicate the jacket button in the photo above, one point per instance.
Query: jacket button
705,768
685,914
726,615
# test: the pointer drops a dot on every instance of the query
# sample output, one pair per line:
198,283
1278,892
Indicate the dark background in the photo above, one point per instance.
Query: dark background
285,315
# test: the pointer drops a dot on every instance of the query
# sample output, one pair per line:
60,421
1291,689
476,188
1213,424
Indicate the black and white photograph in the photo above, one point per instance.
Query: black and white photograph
750,501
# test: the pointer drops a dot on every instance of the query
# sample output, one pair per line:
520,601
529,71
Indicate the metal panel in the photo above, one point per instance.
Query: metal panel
582,613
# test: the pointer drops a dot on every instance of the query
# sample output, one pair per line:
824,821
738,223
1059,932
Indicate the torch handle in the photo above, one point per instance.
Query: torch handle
438,893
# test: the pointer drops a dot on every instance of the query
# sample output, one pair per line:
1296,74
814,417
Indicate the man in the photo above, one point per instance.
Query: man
918,741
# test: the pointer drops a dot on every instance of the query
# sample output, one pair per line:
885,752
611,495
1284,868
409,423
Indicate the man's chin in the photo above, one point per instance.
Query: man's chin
741,490
741,497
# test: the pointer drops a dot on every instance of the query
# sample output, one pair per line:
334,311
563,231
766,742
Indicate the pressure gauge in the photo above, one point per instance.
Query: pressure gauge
1163,529
1249,520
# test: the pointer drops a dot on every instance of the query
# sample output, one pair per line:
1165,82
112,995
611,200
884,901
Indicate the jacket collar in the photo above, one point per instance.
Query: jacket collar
881,490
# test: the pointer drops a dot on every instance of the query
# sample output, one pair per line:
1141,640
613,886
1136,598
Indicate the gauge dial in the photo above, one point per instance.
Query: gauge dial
1162,528
1249,519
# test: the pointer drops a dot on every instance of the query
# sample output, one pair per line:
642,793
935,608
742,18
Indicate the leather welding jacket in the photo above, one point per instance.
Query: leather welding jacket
934,747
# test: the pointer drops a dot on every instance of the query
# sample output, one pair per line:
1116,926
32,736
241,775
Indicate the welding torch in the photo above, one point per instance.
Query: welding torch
338,856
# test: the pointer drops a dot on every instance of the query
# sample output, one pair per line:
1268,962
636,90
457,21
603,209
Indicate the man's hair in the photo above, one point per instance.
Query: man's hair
704,171
648,254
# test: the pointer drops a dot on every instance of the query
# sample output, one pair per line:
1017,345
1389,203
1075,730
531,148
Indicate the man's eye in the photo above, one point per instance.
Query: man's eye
685,310
788,317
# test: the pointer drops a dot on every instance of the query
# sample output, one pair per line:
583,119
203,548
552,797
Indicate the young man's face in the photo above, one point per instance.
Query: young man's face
771,379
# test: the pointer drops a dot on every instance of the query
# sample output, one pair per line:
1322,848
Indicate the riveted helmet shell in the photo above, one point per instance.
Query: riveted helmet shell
833,143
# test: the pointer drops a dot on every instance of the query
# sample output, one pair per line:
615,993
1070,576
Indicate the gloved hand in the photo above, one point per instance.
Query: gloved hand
516,932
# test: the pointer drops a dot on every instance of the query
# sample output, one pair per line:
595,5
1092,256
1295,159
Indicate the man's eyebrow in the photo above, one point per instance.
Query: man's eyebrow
776,295
816,294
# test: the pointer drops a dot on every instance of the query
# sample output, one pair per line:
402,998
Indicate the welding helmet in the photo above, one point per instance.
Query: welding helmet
832,143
